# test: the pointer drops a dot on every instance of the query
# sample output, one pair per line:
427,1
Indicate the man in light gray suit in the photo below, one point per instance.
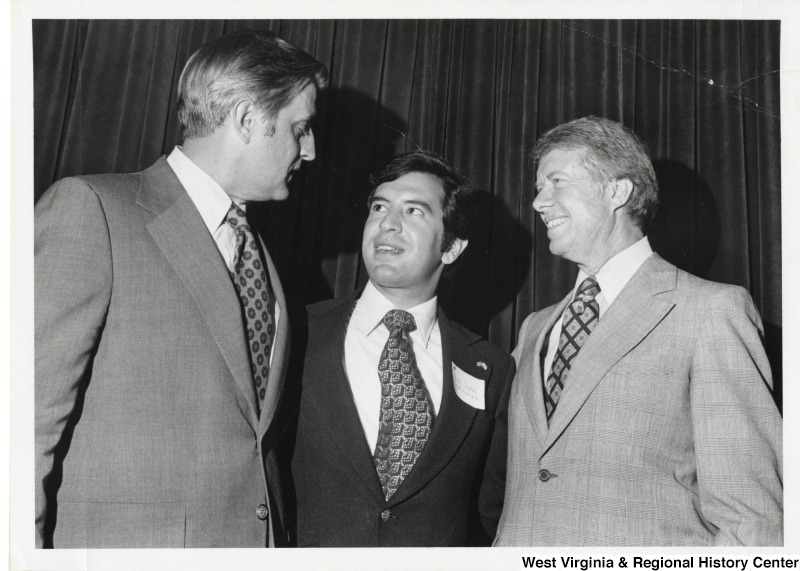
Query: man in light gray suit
641,412
161,327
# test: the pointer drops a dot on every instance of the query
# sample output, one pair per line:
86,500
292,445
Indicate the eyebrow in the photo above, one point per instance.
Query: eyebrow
308,119
421,203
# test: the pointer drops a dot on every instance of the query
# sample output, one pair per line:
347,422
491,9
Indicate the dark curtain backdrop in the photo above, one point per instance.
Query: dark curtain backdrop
704,96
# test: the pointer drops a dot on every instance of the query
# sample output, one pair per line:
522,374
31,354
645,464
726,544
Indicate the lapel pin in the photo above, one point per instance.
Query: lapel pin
482,365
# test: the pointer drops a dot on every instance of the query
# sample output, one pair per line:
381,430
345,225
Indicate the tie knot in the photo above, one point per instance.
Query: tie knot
397,319
236,217
588,290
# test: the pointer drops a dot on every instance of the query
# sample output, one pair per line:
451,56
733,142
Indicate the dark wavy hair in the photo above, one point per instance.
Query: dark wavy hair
460,196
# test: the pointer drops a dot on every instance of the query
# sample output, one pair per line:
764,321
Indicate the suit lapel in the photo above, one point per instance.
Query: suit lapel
632,316
183,238
454,418
280,350
533,394
332,397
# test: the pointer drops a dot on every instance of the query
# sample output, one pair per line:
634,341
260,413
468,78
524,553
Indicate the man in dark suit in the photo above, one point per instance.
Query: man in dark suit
642,411
161,328
401,436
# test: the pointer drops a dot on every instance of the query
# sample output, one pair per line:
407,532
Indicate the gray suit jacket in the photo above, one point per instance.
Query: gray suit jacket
666,432
147,433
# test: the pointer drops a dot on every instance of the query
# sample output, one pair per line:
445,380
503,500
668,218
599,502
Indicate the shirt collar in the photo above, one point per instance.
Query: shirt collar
210,199
373,305
618,271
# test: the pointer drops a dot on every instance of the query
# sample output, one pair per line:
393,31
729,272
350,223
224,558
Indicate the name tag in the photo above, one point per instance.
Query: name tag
469,389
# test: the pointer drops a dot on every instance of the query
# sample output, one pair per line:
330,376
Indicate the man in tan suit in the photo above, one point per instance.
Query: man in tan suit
161,326
641,412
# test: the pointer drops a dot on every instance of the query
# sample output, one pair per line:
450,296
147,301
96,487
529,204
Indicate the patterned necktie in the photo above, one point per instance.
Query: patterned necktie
255,294
580,318
406,408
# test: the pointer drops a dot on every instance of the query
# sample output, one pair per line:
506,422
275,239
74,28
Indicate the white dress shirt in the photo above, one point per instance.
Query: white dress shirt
364,342
213,203
612,277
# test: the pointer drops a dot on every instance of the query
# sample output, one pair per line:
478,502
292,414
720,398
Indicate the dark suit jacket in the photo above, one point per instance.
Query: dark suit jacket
453,495
144,402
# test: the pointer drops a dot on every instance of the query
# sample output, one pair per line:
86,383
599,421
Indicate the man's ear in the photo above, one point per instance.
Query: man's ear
454,251
245,119
620,192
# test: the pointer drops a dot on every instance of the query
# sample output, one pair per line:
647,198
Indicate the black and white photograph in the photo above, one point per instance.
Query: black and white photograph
508,282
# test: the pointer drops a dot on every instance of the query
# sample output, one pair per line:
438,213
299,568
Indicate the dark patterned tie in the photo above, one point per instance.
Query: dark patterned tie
580,318
255,294
406,408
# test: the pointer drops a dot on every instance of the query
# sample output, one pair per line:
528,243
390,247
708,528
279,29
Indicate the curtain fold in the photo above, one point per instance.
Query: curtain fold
704,96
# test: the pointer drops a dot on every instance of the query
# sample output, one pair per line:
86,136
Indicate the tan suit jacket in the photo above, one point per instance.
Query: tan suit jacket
666,432
147,433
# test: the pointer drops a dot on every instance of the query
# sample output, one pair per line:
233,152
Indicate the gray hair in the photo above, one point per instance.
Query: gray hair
249,63
612,152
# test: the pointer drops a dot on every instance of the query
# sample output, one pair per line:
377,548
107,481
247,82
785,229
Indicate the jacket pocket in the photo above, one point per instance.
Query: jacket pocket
119,525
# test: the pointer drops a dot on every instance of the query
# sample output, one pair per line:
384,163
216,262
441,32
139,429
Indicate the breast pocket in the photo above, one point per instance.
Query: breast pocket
119,525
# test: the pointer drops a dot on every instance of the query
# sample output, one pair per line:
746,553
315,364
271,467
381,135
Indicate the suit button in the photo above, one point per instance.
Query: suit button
544,475
262,512
386,514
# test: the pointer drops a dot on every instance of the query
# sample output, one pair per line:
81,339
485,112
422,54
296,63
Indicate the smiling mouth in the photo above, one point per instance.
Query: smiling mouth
387,249
555,222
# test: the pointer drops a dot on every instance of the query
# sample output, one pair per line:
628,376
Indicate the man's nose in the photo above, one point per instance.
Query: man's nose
543,199
391,221
307,149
